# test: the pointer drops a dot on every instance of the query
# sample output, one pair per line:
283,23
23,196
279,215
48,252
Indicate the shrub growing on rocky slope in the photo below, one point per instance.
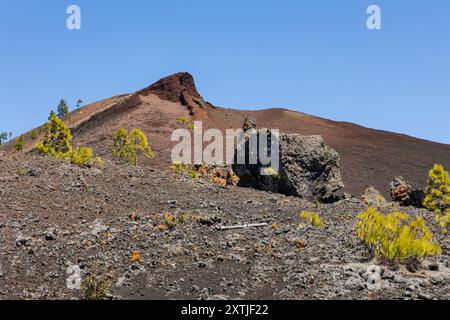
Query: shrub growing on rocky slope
84,157
393,239
178,166
34,134
57,144
57,139
20,142
127,145
437,197
187,122
313,218
95,289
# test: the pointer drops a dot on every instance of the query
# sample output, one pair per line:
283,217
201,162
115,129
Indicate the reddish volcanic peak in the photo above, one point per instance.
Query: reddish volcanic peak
179,87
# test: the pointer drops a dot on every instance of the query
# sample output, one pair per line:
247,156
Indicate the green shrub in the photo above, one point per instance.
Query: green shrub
57,139
139,142
34,134
393,239
95,289
271,172
313,218
187,122
83,157
444,221
437,192
178,166
20,142
126,146
195,175
57,144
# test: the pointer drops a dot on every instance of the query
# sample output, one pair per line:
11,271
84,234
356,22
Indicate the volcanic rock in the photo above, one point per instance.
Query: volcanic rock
403,193
373,197
249,123
307,167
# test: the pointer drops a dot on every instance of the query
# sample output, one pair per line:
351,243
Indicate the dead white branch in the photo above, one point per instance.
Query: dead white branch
242,226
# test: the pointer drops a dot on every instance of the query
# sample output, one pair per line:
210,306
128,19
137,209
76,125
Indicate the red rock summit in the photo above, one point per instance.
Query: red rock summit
179,88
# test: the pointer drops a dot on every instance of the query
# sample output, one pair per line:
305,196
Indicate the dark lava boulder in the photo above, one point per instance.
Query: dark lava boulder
307,167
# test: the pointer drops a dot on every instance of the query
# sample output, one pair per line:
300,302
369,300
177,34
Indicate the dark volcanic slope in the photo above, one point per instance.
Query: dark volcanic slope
369,157
55,217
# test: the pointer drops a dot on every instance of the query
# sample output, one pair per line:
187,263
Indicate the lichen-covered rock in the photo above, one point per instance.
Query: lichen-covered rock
400,190
307,167
218,173
403,193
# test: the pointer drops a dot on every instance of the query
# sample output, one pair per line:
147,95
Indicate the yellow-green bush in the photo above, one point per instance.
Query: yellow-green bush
187,122
444,221
271,172
20,142
395,237
84,157
127,145
139,142
57,139
312,217
437,192
95,289
178,166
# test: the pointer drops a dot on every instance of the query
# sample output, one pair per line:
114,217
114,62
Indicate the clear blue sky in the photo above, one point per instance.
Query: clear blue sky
314,56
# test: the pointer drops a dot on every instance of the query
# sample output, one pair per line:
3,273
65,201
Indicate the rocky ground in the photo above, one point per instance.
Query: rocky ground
57,219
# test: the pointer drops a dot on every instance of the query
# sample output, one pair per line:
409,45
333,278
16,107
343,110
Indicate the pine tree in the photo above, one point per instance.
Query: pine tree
79,103
3,137
57,139
126,146
63,108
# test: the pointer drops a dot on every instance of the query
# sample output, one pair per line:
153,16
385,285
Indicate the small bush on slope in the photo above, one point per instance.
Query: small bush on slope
187,122
84,157
313,218
20,142
437,192
95,289
126,146
437,197
391,238
178,166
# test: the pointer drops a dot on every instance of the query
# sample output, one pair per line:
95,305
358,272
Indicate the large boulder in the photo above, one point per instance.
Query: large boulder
307,167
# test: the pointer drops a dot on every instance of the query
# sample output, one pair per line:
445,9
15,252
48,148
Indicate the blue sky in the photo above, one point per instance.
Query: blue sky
317,57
